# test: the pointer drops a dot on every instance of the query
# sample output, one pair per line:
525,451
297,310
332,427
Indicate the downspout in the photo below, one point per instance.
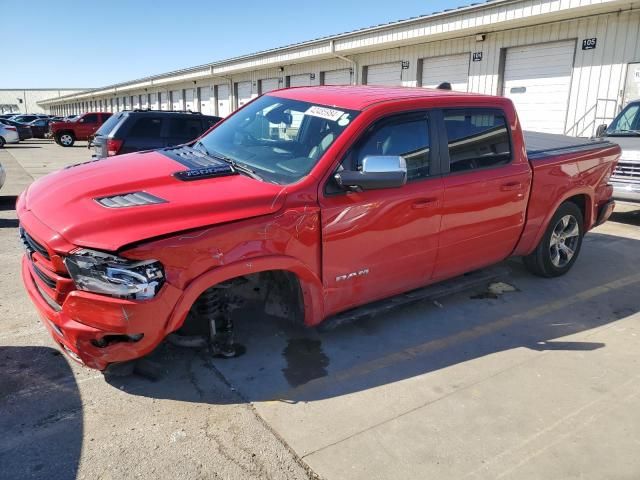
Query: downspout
231,92
354,64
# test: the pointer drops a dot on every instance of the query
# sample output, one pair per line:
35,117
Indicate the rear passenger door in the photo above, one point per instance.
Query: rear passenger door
486,187
144,134
184,129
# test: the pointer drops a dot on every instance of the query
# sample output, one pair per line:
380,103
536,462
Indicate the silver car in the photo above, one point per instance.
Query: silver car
8,134
2,176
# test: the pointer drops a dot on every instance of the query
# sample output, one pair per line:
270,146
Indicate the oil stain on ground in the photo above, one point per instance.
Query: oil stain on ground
305,361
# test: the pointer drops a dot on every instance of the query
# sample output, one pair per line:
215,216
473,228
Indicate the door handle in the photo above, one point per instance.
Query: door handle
424,203
508,187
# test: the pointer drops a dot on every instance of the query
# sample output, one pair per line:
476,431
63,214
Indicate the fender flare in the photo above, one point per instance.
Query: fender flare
526,247
310,284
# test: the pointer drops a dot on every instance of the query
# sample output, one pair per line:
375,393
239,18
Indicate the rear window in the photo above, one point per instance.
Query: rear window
107,126
185,128
146,127
477,138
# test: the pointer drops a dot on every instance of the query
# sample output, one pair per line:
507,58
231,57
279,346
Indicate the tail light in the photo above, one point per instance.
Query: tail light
113,146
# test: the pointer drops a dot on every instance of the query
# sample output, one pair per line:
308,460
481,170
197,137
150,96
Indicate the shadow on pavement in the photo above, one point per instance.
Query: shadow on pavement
630,217
40,415
8,202
294,364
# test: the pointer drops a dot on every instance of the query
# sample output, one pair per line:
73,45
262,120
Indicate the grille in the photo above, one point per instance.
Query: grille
31,245
627,172
49,282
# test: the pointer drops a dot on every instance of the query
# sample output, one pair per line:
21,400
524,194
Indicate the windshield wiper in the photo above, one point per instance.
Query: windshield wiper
626,130
200,146
237,166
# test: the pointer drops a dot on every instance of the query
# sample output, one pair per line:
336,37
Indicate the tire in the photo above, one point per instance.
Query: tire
560,245
66,139
2,142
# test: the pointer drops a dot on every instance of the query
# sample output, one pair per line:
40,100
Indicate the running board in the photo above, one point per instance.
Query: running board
430,293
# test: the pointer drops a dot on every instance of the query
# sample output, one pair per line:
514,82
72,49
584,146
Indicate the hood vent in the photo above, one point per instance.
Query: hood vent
124,200
199,164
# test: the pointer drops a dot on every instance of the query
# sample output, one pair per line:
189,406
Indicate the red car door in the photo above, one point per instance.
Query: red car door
485,191
87,126
377,243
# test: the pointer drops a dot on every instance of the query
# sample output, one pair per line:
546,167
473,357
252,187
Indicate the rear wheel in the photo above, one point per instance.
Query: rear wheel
2,142
560,245
66,139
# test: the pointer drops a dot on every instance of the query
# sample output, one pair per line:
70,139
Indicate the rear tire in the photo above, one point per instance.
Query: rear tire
560,245
66,139
2,142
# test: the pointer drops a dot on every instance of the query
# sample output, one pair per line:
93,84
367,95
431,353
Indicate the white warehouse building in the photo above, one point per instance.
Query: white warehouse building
568,65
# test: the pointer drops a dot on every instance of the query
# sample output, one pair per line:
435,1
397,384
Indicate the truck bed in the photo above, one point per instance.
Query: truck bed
541,145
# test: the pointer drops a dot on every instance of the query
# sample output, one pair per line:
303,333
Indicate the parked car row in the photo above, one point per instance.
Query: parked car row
27,125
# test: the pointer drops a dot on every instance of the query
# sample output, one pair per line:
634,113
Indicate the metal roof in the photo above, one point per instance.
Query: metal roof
369,29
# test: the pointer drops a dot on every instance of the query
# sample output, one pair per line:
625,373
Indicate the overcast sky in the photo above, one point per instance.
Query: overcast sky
82,43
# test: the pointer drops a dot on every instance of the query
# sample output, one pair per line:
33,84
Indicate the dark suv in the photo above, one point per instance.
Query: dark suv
136,130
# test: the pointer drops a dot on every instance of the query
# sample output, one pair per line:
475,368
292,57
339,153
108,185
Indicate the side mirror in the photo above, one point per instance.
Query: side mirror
378,171
81,120
601,129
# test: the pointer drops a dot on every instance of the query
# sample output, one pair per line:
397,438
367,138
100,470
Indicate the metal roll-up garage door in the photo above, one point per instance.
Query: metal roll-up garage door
537,78
189,100
153,102
224,102
206,106
338,77
385,74
145,101
269,84
164,101
243,90
449,68
176,100
303,80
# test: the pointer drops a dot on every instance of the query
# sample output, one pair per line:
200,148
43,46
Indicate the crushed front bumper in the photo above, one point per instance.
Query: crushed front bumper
96,330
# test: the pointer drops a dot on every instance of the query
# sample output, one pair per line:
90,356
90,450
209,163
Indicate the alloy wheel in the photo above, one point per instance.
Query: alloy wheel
564,241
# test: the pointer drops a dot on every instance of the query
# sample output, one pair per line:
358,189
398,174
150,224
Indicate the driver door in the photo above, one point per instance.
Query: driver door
377,243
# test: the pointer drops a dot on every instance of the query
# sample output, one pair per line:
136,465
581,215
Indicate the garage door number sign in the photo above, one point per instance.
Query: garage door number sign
589,43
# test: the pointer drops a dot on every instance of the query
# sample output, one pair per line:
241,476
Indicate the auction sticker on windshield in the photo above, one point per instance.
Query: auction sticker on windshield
324,112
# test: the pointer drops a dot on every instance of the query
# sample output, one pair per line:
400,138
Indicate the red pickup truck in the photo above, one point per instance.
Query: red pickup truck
311,201
80,128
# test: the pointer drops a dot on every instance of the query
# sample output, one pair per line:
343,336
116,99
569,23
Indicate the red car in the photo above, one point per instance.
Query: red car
80,128
310,201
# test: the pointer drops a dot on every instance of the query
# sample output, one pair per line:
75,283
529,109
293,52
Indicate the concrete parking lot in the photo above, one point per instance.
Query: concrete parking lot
531,379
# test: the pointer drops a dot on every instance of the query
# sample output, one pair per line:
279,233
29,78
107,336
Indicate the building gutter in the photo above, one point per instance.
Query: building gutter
354,64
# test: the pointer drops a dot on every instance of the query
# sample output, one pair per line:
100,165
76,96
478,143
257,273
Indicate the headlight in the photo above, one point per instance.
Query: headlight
100,272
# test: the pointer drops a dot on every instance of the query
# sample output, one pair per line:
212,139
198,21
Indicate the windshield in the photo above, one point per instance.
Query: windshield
627,123
280,139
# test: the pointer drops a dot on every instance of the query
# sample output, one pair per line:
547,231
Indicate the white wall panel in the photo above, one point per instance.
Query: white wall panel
206,104
244,93
338,77
223,100
389,74
537,78
269,84
447,68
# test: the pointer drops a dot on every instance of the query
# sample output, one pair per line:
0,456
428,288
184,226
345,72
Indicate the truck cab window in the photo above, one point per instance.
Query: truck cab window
477,139
90,118
403,135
